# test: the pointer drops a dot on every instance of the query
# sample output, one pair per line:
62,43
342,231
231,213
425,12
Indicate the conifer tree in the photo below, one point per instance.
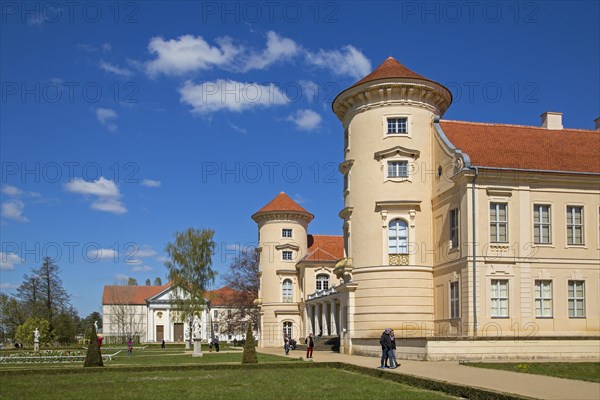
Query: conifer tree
93,357
249,347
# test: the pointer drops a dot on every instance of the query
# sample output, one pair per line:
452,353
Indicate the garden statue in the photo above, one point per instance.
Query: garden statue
36,340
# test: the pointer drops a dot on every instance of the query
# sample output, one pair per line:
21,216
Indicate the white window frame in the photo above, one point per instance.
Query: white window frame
572,225
496,298
322,282
396,125
285,231
287,291
215,314
496,223
539,224
287,328
398,238
399,169
454,228
573,300
454,300
287,255
543,299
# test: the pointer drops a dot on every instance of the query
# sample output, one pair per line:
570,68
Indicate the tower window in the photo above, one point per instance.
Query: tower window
286,233
322,282
398,237
286,255
397,169
287,293
397,125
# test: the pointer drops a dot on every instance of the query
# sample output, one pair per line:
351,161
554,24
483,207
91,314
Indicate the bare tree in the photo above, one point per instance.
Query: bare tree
126,319
243,278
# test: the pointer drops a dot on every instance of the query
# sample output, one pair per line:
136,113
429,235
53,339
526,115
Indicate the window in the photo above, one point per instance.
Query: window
287,291
397,125
216,328
215,314
499,298
287,329
322,282
498,223
574,225
286,233
398,237
397,169
229,314
286,255
454,228
454,303
543,299
576,295
541,224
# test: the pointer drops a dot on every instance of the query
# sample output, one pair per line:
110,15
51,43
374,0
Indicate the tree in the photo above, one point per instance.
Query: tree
249,356
53,296
132,282
87,322
66,326
157,281
148,283
30,295
12,315
190,271
243,278
93,357
25,331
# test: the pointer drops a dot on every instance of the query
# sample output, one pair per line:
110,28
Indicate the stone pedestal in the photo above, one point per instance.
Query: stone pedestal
36,346
197,348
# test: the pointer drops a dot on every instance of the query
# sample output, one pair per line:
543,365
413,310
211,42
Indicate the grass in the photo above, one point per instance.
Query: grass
265,384
583,371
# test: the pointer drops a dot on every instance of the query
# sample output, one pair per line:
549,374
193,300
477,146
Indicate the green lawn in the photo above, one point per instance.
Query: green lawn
583,371
276,383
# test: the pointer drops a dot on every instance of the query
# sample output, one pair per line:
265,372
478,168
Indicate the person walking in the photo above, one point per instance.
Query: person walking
216,343
310,345
163,344
386,345
286,344
130,347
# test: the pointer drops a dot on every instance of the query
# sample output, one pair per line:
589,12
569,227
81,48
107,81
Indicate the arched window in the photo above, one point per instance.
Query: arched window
322,282
287,291
398,237
287,328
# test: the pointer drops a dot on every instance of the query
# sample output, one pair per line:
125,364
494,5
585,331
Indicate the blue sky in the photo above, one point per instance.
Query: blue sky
123,122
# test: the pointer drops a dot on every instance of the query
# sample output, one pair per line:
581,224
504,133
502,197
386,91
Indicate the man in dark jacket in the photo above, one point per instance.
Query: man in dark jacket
386,345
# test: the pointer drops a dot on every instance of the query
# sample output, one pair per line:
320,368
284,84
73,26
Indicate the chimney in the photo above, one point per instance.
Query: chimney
552,120
597,122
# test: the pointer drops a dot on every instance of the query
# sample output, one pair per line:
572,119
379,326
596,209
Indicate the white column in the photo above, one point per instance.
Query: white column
151,328
333,325
309,319
318,326
167,325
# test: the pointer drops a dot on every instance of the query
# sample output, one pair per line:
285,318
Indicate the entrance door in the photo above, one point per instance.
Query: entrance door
160,333
178,332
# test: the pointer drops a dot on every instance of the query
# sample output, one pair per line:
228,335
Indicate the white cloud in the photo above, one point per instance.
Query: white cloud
141,268
132,261
209,97
310,90
298,198
163,259
107,192
279,49
106,47
115,69
188,53
238,128
151,183
348,61
11,191
13,209
306,120
106,116
103,254
144,252
4,286
8,261
120,279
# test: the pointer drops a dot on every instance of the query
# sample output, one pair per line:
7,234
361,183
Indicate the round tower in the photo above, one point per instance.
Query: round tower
388,122
282,242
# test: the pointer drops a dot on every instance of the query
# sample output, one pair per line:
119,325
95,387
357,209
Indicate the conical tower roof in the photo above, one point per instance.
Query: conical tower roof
282,203
390,68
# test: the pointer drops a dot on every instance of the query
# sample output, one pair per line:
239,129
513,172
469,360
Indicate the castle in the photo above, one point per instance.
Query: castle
471,240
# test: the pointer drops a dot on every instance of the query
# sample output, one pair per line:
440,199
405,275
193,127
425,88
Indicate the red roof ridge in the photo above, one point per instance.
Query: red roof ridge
518,126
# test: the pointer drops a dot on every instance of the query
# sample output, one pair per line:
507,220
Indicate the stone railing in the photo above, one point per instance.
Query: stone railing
322,293
398,259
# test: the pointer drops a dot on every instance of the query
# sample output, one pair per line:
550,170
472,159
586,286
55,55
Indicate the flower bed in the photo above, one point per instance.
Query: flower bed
49,356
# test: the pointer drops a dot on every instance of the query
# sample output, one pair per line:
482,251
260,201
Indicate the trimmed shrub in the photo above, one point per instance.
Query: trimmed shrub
249,347
93,357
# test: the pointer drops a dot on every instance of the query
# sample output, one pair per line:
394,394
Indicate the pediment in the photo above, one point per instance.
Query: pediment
397,151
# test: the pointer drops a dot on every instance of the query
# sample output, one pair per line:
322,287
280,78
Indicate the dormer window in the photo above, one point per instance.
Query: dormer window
397,125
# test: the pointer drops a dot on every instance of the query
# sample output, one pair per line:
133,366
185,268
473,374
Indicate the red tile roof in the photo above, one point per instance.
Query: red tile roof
390,68
324,248
526,147
137,295
282,202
